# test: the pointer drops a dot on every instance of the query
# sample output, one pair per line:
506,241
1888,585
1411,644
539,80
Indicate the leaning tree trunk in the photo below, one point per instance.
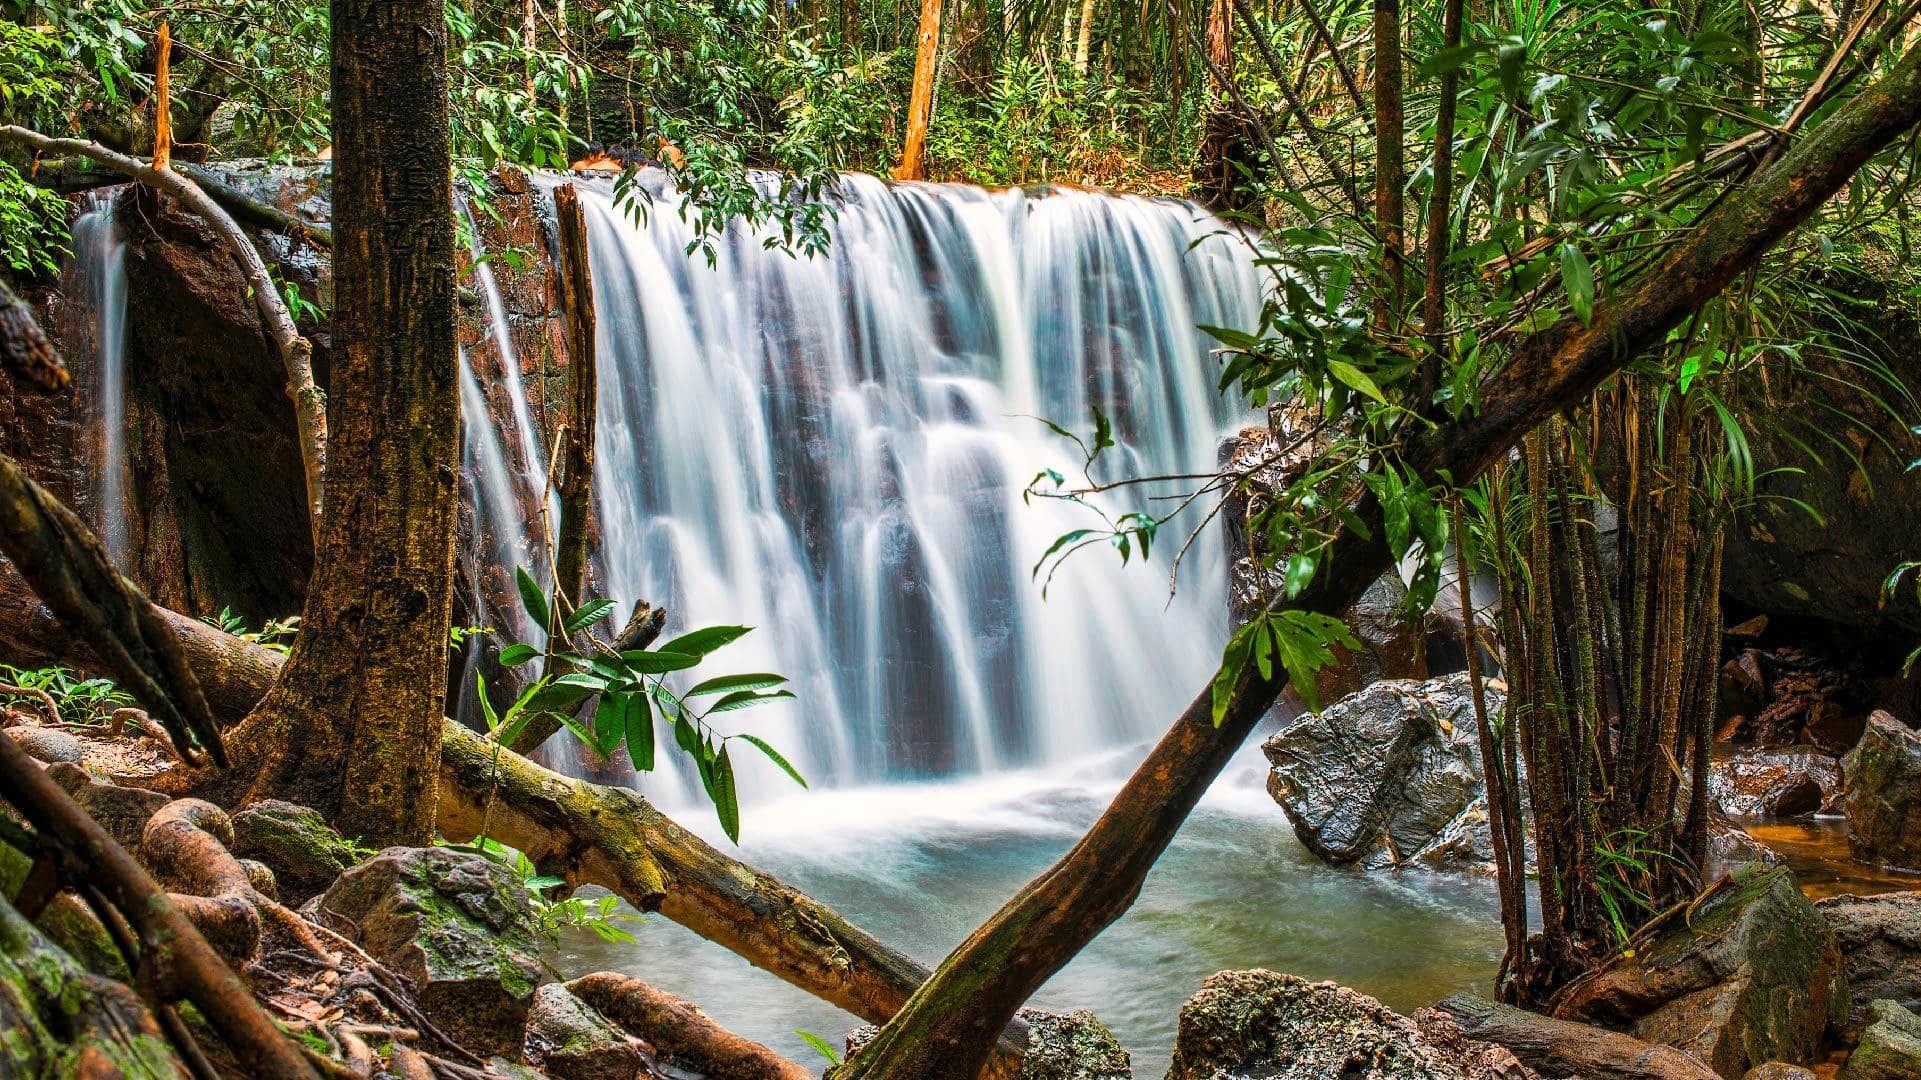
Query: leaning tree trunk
352,727
948,1027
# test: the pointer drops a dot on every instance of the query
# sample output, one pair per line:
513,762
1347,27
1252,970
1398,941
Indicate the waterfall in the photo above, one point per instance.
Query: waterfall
833,450
100,257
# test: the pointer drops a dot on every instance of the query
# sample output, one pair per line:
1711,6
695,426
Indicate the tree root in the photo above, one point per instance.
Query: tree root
174,961
678,1030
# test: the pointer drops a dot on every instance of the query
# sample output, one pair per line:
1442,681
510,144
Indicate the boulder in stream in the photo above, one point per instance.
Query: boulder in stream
1880,940
459,925
1756,782
1752,975
1242,1025
1389,776
1884,793
568,1039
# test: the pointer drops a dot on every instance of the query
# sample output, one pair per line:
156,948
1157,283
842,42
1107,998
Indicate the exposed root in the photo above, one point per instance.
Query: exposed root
679,1031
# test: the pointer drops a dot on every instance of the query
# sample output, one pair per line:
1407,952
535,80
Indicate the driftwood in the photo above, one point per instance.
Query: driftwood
678,1030
296,352
68,569
176,961
1562,1048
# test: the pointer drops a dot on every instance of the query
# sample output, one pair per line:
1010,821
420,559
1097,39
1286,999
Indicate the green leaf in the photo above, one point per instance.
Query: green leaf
1230,337
532,598
1355,378
608,726
517,654
659,662
742,699
1233,662
589,614
1578,276
686,737
821,1046
726,800
486,707
724,683
698,643
637,717
774,756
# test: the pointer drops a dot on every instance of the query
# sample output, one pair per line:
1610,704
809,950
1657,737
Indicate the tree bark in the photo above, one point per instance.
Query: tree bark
352,726
1563,1048
945,1030
296,353
576,483
678,1030
1390,214
920,105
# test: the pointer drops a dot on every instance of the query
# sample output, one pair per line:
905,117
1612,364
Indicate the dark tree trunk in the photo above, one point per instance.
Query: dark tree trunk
352,727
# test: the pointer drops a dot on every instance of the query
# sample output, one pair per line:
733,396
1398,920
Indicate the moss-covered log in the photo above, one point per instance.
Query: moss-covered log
1563,1048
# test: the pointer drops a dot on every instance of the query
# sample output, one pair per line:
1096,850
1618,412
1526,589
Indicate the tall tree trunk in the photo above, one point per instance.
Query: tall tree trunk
1085,44
921,105
1390,215
352,726
948,1027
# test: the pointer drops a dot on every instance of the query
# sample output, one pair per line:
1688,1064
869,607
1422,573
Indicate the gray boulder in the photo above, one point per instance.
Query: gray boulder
1242,1025
1389,776
1890,1046
1753,975
1756,782
568,1039
1884,793
459,925
1880,940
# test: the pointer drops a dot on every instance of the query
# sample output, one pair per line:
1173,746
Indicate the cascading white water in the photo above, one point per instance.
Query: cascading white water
100,257
833,450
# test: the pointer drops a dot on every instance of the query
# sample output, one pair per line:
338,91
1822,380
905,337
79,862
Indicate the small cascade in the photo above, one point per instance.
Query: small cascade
100,272
834,450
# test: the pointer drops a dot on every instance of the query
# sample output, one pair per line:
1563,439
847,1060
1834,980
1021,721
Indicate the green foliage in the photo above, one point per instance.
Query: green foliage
821,1046
33,221
78,701
277,634
609,698
601,915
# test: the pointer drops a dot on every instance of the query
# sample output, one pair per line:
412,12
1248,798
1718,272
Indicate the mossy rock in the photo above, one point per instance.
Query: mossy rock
459,925
59,1020
1890,1047
303,851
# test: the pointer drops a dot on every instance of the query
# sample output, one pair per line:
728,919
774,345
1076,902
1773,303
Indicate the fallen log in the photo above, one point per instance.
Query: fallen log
678,1030
1562,1048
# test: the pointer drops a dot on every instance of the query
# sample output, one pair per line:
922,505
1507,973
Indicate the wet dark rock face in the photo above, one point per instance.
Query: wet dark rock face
1884,794
1880,939
1755,782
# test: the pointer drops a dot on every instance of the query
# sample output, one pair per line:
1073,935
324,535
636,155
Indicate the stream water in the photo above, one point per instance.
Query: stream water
920,865
834,450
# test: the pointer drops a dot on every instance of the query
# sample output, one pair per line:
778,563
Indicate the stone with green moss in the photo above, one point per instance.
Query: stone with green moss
303,851
459,925
1890,1046
59,1020
568,1039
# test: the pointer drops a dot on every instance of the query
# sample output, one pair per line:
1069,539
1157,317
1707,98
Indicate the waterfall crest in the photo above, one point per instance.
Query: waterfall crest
833,450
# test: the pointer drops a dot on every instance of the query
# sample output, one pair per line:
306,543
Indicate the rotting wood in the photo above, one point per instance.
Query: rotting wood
1562,1048
678,1030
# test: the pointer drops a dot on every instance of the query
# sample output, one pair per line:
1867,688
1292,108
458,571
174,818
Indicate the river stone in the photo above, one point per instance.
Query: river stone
1387,776
1243,1025
122,811
1890,1046
1880,940
1778,1070
1884,793
1753,975
50,745
458,924
568,1039
60,1020
296,843
1730,848
1756,782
